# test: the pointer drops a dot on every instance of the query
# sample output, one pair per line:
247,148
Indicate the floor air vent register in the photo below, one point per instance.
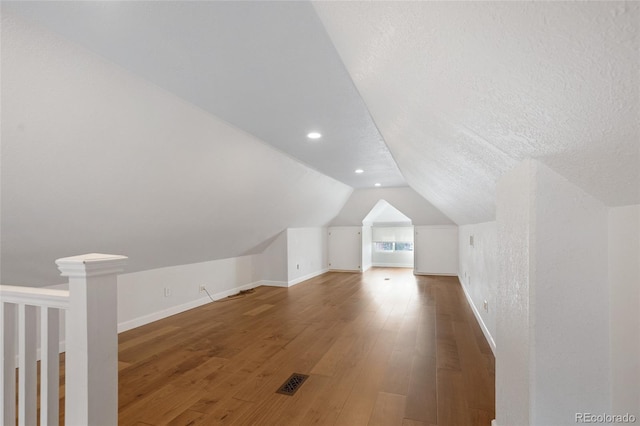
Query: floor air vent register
292,384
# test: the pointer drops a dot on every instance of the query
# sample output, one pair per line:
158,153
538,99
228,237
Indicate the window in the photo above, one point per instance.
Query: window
404,247
389,247
383,246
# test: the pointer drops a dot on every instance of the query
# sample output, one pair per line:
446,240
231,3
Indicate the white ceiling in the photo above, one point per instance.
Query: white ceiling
462,91
268,68
127,154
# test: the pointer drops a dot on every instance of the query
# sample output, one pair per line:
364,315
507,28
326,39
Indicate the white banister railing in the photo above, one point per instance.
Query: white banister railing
91,384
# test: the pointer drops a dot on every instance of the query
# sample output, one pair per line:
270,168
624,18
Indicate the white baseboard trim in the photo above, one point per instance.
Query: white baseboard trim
273,283
393,265
494,423
435,273
292,282
307,277
155,316
483,326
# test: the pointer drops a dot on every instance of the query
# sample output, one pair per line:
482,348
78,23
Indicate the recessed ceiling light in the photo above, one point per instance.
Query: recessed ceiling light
377,184
359,171
314,135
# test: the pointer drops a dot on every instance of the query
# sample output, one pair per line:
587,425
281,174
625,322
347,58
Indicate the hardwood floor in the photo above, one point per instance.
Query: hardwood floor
403,351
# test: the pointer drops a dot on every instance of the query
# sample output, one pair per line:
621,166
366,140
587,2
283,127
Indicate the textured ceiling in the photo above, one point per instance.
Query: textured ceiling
268,68
462,91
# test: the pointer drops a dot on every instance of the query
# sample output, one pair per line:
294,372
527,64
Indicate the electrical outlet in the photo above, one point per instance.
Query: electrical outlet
167,292
202,289
486,306
298,266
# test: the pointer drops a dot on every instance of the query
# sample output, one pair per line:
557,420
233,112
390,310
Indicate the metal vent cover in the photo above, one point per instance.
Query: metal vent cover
292,384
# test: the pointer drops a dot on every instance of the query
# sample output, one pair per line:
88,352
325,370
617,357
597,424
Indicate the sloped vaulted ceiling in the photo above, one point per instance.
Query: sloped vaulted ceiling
95,159
266,67
120,140
462,91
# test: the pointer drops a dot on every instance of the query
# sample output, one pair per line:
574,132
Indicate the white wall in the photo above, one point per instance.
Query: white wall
273,261
307,253
436,250
553,300
367,247
624,286
95,159
345,248
513,330
478,272
571,307
141,295
295,255
395,259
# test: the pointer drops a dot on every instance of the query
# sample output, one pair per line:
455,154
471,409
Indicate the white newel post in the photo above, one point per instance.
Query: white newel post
91,384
